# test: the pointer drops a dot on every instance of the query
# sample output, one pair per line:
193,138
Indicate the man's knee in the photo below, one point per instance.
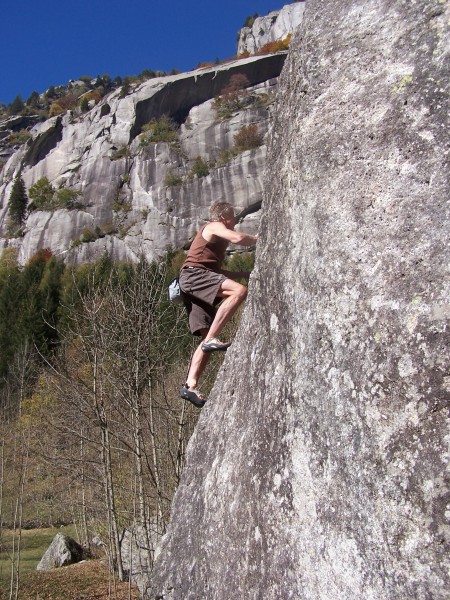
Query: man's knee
241,293
234,290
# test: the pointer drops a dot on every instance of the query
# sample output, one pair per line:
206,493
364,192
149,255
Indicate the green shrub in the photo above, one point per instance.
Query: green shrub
109,228
263,100
19,137
172,179
45,197
146,74
163,129
94,96
41,194
200,168
84,104
88,235
121,205
68,198
126,87
124,229
63,104
225,157
43,115
247,138
55,110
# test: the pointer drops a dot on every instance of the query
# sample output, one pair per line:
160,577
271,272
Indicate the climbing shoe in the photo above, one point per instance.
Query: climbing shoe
192,395
214,344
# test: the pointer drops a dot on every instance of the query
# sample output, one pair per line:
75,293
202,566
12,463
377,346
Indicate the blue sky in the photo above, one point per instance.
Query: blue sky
48,43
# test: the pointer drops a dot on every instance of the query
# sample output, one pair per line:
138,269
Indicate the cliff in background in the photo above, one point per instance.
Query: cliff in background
317,468
136,198
122,184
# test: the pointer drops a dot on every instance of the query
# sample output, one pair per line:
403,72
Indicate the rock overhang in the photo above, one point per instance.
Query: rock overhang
180,93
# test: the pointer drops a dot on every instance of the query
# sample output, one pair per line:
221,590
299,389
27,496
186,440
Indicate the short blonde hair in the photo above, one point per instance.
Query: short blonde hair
218,209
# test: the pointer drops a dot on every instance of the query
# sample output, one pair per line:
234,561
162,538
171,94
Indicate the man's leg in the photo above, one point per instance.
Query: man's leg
234,294
198,363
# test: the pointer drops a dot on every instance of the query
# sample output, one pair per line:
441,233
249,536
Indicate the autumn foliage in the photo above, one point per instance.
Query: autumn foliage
247,138
278,46
234,96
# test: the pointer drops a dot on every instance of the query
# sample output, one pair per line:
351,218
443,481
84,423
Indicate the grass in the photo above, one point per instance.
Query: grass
34,543
87,580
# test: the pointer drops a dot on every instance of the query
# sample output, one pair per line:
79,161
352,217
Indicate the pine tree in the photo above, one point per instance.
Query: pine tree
16,106
33,100
40,279
51,92
10,298
18,202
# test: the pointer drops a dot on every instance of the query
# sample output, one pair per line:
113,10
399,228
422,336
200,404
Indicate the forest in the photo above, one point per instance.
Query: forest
93,432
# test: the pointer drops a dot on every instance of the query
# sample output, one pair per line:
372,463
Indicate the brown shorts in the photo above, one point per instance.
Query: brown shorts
201,287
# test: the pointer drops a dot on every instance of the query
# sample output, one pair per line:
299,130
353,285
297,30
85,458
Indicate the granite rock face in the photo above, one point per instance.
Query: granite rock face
127,207
317,468
137,548
277,25
10,126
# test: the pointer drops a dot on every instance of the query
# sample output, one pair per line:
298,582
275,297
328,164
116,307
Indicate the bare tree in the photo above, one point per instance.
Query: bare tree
123,343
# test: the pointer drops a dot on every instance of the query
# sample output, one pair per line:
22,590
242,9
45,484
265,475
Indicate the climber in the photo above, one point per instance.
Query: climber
205,284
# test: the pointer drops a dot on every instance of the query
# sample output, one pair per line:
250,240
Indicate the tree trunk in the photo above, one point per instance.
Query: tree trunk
107,468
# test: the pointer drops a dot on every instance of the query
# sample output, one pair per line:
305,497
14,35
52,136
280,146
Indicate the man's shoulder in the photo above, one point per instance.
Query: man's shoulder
209,231
212,225
214,228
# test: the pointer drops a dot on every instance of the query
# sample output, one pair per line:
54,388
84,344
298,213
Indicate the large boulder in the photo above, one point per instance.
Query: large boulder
317,468
62,551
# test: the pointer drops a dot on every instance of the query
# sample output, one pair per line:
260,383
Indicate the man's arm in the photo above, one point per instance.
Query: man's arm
235,237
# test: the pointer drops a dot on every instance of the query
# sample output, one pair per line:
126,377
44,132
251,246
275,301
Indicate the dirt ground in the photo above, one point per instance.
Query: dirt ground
87,580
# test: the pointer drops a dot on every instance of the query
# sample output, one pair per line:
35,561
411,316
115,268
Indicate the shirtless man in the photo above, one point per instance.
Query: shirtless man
205,283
